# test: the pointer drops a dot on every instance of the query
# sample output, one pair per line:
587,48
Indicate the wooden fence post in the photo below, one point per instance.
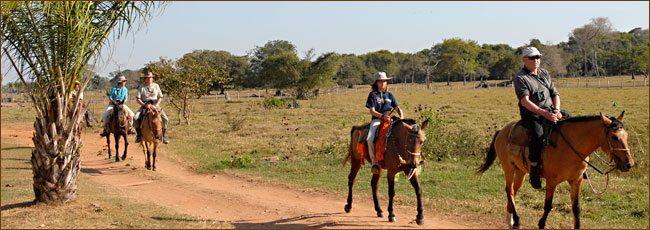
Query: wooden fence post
598,83
621,82
586,83
578,82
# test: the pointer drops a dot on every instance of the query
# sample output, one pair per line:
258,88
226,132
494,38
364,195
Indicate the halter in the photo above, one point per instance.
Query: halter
149,120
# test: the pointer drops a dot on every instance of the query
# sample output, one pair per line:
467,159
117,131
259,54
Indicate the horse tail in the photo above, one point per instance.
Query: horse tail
491,155
347,157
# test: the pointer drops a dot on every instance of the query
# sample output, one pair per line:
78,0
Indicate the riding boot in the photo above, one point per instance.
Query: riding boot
138,135
104,133
164,139
535,171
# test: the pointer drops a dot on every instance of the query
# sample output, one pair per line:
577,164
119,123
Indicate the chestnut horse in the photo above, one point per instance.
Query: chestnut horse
118,125
151,130
575,139
404,141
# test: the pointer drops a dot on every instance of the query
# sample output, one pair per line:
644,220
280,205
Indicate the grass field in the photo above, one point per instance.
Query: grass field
310,143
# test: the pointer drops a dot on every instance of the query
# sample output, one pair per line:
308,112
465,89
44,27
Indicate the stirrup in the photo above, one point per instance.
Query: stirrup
138,139
104,133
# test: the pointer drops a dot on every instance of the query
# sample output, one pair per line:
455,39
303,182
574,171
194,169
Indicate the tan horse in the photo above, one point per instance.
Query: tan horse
151,128
575,139
118,125
404,142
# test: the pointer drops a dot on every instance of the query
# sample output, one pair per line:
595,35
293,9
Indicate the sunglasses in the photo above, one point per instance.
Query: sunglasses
534,57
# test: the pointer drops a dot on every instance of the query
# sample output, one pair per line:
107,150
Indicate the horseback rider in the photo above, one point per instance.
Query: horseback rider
379,102
150,96
539,105
119,92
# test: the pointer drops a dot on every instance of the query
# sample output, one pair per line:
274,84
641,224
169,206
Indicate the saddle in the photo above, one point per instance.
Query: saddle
379,141
520,136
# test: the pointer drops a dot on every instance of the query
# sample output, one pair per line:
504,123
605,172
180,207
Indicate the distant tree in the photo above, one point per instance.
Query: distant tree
260,53
458,58
317,74
507,66
380,61
553,60
351,71
184,81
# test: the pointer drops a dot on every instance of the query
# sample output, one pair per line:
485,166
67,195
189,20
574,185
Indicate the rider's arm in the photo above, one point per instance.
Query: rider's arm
374,113
139,101
400,113
556,106
537,110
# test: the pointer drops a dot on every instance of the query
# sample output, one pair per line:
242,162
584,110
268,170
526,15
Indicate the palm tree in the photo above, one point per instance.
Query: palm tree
50,45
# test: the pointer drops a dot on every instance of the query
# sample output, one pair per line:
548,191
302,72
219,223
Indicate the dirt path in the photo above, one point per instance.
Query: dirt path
241,201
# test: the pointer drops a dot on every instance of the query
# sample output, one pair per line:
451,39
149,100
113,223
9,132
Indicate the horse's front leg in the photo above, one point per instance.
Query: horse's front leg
419,219
108,144
391,193
576,185
518,181
548,202
126,145
155,151
374,183
147,158
355,165
117,147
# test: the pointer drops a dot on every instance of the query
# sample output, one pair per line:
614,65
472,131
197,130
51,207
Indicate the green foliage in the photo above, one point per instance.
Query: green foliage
238,162
274,102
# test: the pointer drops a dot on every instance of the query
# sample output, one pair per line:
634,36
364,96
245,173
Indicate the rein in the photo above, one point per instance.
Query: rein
576,152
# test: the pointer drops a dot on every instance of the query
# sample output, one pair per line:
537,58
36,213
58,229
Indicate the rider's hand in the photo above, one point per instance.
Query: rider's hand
558,114
550,116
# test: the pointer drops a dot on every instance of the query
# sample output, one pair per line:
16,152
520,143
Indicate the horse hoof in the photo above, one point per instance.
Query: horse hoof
392,219
117,159
419,221
380,214
347,209
124,157
154,169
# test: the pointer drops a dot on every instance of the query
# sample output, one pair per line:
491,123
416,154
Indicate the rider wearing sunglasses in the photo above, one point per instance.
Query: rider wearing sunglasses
539,105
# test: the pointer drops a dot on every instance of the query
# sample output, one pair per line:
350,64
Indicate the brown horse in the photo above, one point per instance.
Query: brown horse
566,160
151,128
118,125
404,141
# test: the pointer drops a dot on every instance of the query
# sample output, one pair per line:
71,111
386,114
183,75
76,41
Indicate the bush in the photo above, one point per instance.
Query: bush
273,102
238,162
235,123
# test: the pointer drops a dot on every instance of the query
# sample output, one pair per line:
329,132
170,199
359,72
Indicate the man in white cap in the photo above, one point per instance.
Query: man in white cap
119,92
149,95
539,104
379,102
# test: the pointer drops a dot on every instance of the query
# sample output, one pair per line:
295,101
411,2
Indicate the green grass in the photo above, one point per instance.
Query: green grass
96,206
311,142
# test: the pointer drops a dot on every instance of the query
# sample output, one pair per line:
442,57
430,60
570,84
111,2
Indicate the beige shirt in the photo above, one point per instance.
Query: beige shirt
74,93
146,93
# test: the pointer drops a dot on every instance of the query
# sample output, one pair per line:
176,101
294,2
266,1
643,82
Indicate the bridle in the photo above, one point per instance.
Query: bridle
149,121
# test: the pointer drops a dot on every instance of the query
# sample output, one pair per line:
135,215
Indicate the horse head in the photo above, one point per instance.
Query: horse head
615,143
154,123
119,114
414,142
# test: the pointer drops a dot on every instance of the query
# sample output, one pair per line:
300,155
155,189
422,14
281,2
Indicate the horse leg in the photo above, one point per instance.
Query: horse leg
576,185
510,206
419,219
117,147
355,165
391,194
519,180
374,182
148,158
126,144
108,144
155,151
548,202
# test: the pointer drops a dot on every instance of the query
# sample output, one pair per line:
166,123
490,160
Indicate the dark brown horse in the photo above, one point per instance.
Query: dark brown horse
118,125
151,128
403,148
565,160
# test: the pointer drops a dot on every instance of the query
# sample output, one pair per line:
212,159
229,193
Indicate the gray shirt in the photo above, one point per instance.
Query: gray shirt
539,88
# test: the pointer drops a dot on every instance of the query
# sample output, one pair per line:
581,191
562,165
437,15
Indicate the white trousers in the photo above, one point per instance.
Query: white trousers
108,110
374,124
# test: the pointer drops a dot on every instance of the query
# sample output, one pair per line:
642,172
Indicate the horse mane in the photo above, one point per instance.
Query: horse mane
407,121
615,122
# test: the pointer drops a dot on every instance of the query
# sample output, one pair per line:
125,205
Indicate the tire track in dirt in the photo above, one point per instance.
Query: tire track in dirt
243,202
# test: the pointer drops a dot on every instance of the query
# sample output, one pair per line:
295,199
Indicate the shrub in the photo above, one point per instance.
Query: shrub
273,102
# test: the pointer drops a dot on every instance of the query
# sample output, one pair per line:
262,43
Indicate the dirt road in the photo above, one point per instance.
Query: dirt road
241,201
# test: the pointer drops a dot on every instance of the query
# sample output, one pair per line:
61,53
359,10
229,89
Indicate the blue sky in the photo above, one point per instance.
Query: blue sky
356,27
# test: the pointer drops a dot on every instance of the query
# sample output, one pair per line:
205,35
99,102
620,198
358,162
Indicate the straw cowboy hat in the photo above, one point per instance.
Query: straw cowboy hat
381,76
121,79
149,74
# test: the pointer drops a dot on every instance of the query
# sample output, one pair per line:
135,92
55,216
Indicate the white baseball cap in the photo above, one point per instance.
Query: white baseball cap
531,51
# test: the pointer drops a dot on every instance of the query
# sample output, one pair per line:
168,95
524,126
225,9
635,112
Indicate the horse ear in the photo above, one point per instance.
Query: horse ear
424,124
605,120
620,117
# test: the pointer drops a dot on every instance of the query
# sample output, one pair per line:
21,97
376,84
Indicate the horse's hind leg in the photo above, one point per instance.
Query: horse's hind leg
117,147
576,185
354,169
126,144
419,219
510,206
374,183
518,181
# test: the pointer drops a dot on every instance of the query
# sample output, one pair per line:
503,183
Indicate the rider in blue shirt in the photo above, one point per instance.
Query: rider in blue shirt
119,92
379,102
